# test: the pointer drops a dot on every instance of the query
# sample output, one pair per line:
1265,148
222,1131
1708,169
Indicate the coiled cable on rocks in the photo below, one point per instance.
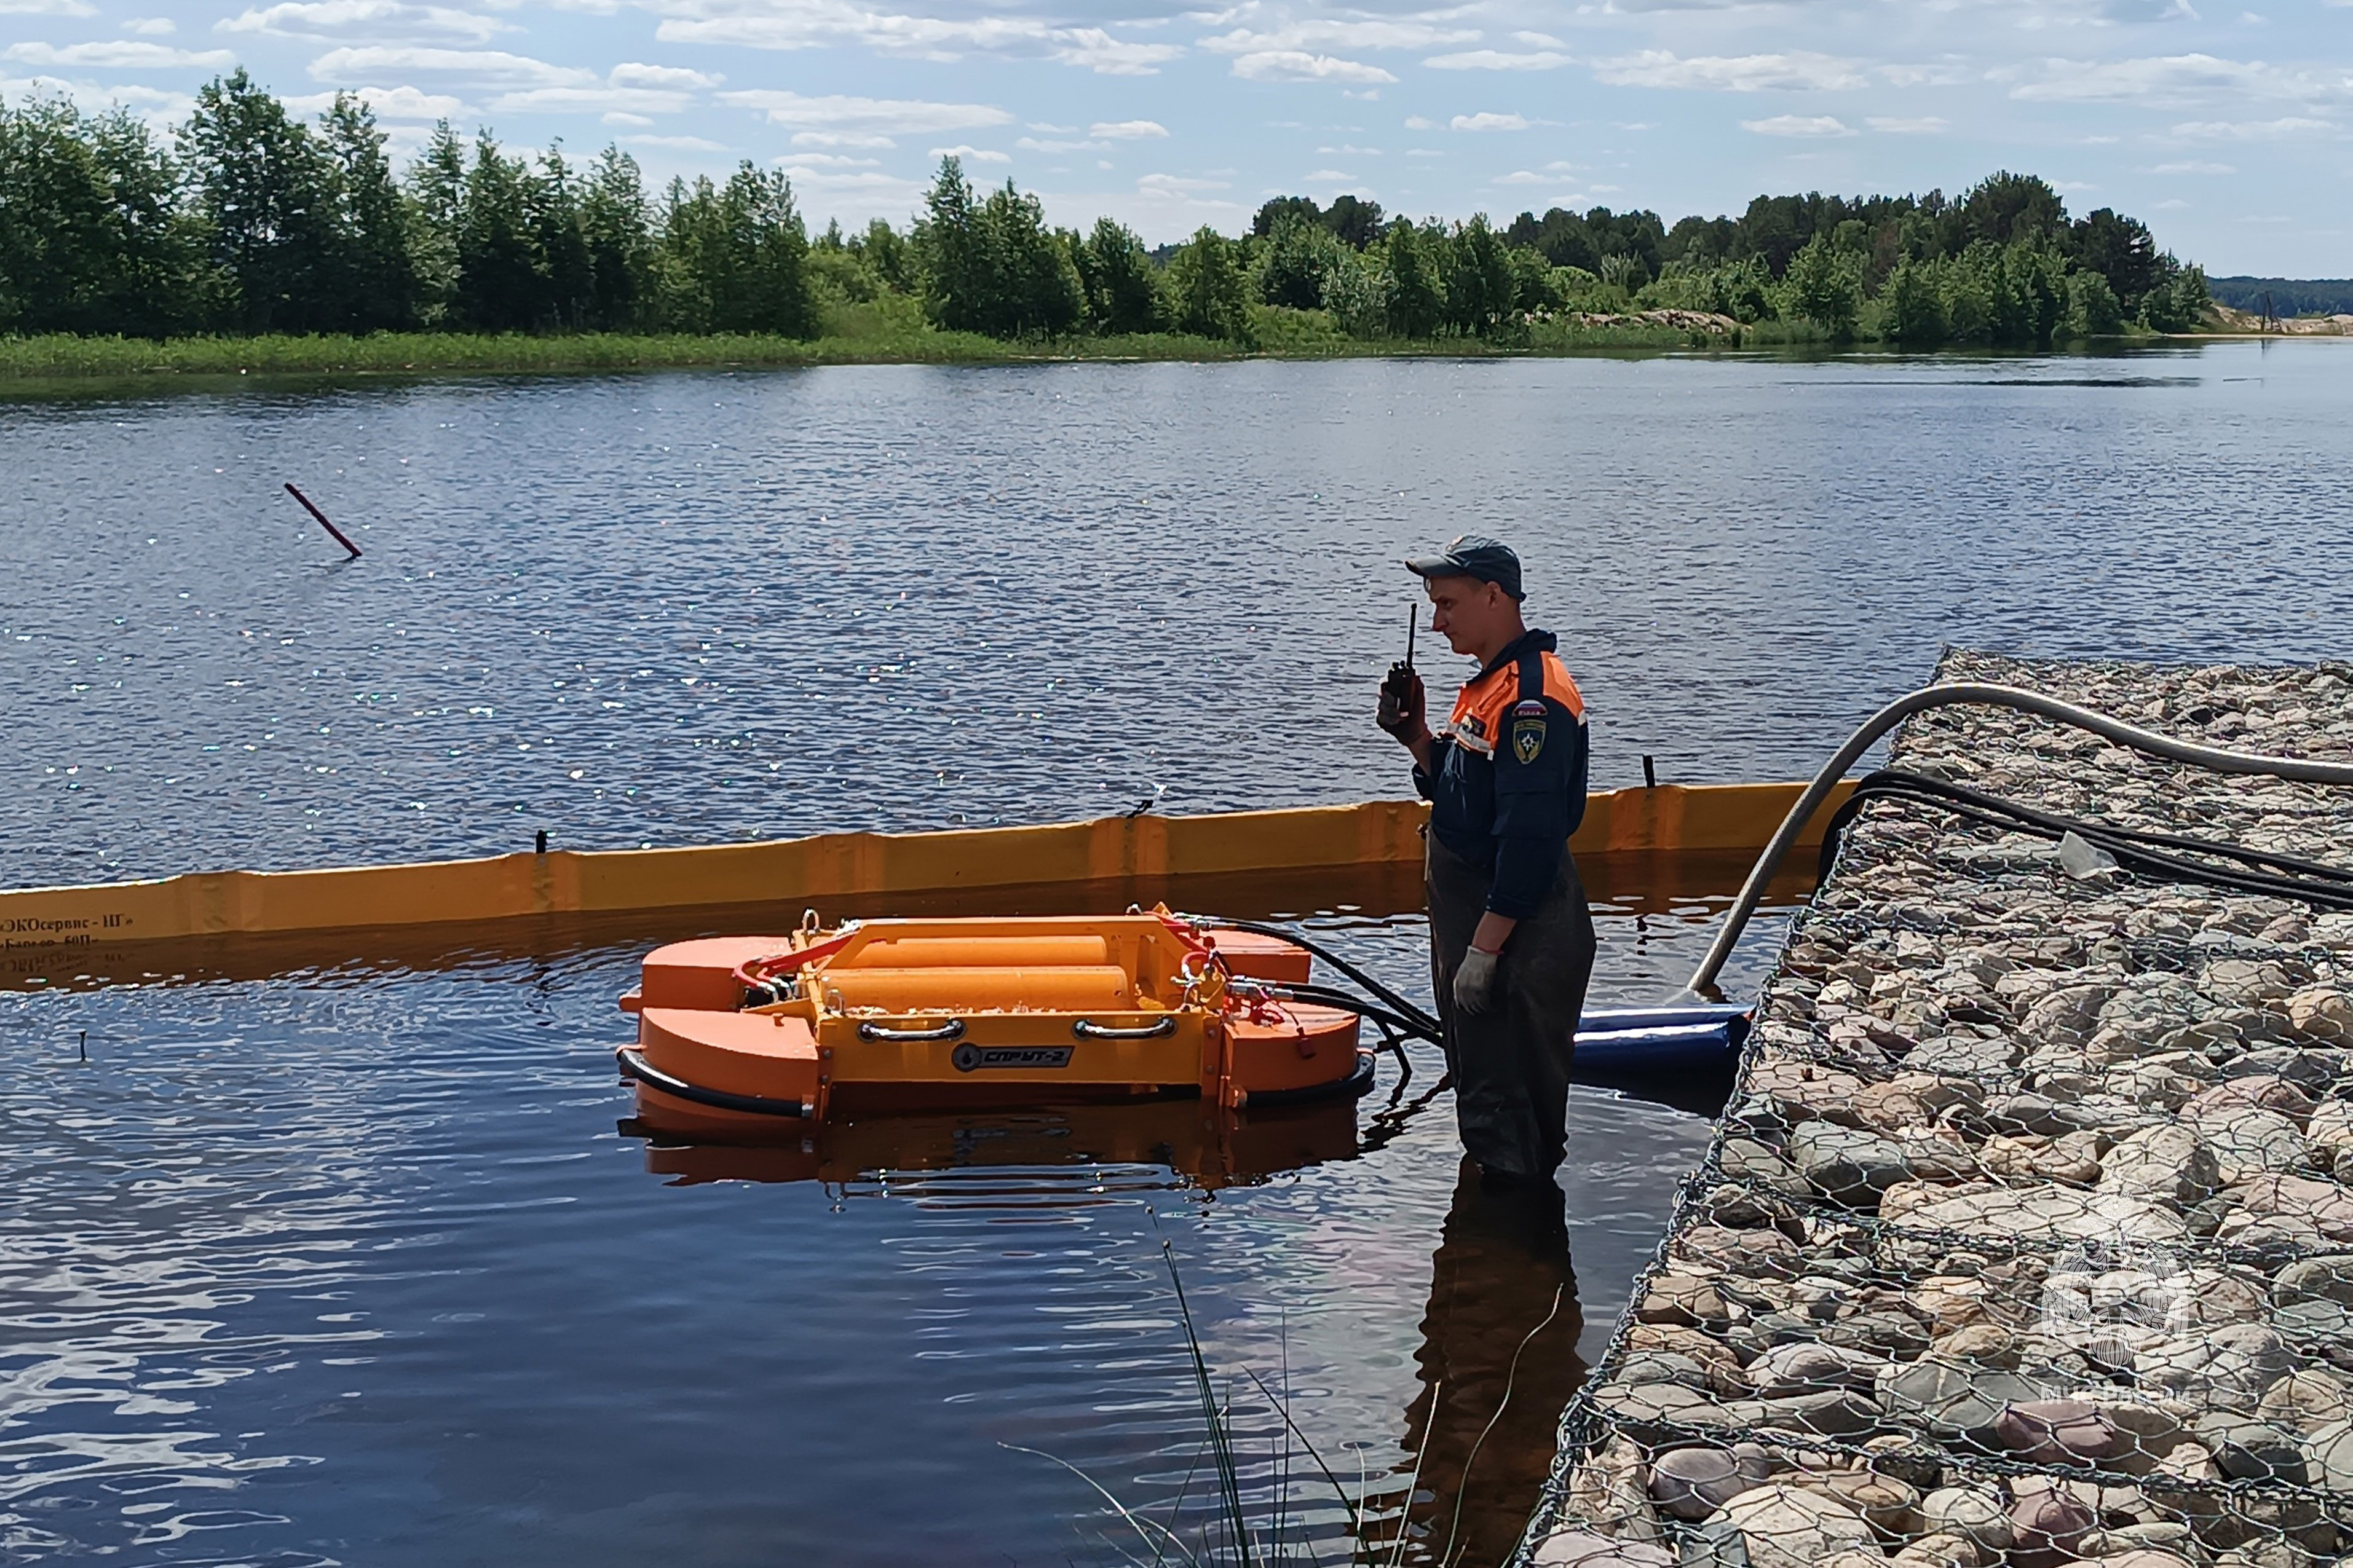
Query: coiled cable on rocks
2323,886
1984,694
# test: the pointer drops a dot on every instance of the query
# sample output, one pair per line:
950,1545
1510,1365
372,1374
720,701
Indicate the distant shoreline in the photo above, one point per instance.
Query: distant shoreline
27,360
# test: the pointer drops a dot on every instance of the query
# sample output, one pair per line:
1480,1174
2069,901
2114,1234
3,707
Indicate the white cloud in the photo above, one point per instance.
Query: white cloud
376,20
1797,125
1059,144
1337,34
1350,149
1498,60
1525,177
122,54
2163,81
1418,122
1295,64
1546,41
1487,119
1101,53
1127,130
1935,73
839,139
47,8
591,100
884,190
407,103
2288,128
845,118
622,117
2170,205
969,154
1327,177
633,74
1926,125
365,60
2194,167
678,144
1797,71
151,27
1177,185
822,24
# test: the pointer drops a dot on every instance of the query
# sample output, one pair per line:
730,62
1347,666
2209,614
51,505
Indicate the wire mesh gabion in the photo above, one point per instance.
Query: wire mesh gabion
2027,1236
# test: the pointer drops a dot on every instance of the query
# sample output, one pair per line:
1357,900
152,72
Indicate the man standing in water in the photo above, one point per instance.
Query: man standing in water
1510,940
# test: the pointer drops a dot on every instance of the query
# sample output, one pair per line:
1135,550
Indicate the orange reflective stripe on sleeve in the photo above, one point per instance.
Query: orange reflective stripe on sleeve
1561,687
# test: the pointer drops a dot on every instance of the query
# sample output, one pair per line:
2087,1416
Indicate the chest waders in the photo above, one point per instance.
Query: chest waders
1511,1061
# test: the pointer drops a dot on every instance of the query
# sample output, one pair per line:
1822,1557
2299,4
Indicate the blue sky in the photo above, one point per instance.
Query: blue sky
2229,129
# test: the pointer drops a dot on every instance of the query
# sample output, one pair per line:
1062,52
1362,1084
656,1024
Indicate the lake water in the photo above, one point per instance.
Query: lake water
342,1256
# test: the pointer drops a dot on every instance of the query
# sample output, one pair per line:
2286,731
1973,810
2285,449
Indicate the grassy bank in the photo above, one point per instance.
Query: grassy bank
853,335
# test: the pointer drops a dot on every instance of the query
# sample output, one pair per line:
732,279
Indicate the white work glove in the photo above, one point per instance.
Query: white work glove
1474,980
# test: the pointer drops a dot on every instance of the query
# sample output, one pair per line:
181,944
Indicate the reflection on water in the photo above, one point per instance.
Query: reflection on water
356,1266
1498,1361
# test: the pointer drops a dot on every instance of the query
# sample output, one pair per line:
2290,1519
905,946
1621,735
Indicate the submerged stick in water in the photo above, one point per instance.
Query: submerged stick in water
321,515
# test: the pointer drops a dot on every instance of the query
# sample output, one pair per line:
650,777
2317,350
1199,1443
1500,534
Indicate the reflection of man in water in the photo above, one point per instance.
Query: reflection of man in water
1502,1263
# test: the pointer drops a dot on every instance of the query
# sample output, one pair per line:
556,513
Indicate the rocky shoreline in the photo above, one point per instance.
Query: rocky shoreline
2027,1237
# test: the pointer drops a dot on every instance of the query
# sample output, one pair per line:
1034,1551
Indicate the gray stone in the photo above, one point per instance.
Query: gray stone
2315,1280
2170,1162
1664,1366
2315,1320
1974,1514
1891,1334
1647,1409
1953,1403
1810,1368
2226,1368
1834,1413
1588,1549
1847,1164
2329,1455
1689,1484
1758,1254
2252,1450
1746,1160
1783,1526
2247,1140
2307,1399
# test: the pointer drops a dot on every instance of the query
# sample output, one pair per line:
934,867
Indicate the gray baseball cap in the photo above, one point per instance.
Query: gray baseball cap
1474,555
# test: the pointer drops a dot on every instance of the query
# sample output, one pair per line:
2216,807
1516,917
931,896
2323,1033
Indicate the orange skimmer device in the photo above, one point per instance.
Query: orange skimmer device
742,1036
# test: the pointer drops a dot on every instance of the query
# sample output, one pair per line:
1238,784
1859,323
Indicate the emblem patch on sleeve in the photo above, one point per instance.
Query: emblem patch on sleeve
1528,732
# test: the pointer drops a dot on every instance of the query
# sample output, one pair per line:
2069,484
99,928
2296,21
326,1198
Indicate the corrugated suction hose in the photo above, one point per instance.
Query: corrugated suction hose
1979,694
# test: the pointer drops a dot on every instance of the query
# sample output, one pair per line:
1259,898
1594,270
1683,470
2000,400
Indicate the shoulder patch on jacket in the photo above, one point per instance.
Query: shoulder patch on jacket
1528,732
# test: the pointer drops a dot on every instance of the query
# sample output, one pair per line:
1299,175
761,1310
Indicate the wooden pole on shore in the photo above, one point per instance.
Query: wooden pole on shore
321,515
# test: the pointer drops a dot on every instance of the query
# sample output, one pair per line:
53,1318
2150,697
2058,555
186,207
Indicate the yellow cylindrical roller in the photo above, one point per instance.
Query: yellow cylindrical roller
1067,988
979,952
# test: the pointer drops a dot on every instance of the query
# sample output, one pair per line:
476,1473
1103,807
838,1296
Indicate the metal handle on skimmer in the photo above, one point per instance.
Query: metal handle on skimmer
1087,1030
947,1031
1752,892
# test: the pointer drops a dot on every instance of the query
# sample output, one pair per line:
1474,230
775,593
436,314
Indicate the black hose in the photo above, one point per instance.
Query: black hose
2310,881
1332,996
1425,1024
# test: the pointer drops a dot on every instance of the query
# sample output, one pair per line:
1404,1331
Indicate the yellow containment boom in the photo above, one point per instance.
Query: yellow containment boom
1665,819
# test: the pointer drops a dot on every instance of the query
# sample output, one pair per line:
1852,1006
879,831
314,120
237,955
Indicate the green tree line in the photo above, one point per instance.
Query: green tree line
250,219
